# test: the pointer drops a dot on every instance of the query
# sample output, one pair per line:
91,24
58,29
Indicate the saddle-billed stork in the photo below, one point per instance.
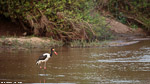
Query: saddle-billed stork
44,58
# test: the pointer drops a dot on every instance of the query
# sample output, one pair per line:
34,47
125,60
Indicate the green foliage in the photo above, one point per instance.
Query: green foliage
134,26
122,18
63,19
84,44
126,11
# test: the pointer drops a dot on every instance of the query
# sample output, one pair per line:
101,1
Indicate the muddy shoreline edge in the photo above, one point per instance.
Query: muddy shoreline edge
27,43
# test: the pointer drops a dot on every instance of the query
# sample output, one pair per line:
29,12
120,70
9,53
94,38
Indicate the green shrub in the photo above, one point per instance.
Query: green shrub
65,20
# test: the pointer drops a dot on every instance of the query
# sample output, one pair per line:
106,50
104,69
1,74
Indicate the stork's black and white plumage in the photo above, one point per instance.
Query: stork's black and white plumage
44,58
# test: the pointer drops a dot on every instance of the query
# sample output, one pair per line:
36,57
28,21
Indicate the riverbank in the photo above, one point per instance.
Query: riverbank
12,38
26,43
122,41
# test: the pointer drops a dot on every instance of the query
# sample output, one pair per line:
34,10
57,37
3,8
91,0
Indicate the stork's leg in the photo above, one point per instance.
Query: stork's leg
40,65
45,65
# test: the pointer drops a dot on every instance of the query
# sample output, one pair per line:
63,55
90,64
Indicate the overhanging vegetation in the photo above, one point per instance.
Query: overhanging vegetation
65,20
134,13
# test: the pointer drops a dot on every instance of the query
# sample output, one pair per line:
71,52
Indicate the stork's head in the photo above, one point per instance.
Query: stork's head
53,50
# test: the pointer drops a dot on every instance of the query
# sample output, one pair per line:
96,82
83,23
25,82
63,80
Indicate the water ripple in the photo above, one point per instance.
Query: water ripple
145,58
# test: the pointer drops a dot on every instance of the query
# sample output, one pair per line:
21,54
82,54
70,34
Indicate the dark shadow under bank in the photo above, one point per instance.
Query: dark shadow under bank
10,28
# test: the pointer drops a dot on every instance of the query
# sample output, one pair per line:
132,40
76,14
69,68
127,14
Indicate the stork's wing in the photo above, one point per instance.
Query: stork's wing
43,57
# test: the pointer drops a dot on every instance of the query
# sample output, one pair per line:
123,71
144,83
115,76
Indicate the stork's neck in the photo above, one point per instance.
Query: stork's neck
51,53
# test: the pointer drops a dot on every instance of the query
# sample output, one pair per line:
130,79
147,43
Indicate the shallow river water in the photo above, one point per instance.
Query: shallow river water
112,65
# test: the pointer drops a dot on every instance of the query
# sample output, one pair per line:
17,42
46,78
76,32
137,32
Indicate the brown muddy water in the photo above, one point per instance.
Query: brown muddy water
112,65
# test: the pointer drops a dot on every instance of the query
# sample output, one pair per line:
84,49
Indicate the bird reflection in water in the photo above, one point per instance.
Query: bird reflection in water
42,76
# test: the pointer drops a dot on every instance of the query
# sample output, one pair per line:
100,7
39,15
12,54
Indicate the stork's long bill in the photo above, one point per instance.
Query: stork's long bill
55,52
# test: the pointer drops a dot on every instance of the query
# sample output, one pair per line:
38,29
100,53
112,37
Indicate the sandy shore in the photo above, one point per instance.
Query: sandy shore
26,43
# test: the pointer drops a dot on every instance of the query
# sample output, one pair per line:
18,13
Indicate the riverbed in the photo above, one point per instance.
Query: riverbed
128,64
